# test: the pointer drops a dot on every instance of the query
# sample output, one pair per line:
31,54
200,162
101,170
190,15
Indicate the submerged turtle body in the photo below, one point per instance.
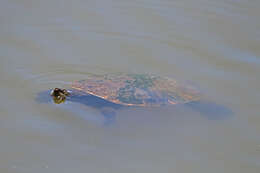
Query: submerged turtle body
137,90
111,92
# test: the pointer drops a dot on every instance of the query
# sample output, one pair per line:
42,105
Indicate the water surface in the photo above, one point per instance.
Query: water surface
211,44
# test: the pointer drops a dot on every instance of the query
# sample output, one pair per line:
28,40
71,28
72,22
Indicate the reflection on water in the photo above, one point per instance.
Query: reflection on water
211,44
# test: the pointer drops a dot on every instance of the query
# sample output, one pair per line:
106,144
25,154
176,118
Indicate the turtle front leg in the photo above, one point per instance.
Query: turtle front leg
109,115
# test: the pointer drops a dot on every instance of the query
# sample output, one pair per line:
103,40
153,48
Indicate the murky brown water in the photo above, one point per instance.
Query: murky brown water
214,44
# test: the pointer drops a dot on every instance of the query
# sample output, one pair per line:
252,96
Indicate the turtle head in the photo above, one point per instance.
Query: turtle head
59,95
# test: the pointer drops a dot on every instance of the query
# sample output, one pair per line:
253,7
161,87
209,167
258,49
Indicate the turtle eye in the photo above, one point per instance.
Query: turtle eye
56,92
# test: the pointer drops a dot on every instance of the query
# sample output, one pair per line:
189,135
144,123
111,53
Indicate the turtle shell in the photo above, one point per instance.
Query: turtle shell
137,90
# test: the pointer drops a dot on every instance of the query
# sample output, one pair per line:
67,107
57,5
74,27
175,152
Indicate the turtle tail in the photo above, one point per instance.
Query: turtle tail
109,115
211,110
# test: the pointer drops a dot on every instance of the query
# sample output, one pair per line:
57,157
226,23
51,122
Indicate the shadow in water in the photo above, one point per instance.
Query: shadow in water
207,109
107,109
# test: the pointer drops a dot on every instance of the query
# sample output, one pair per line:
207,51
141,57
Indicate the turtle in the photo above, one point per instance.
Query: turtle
111,92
